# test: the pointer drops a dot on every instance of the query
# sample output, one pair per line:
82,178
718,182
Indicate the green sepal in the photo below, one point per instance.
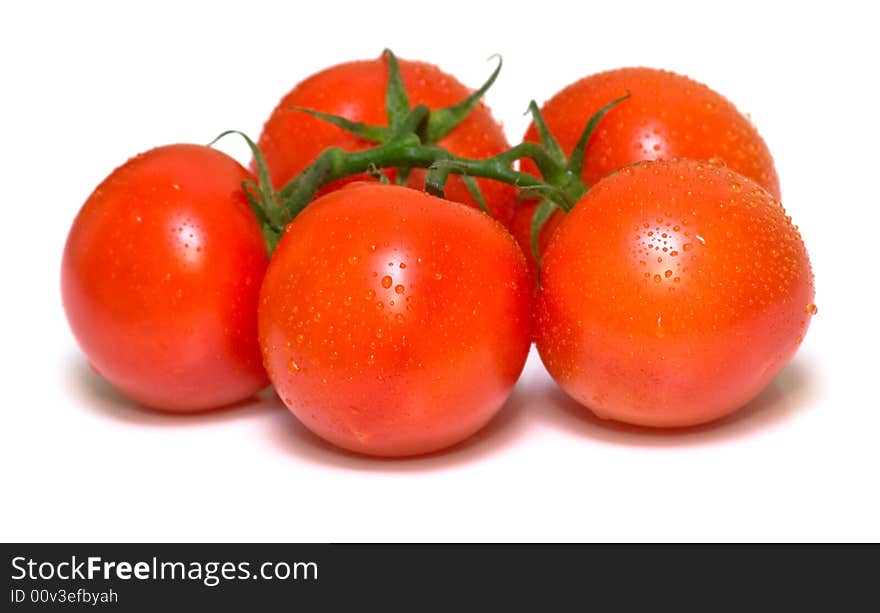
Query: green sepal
376,134
260,195
576,159
396,98
474,188
403,175
442,121
411,123
542,213
548,141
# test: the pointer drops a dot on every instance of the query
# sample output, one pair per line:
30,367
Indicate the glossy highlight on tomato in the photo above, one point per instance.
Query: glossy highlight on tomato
672,294
160,280
291,139
393,322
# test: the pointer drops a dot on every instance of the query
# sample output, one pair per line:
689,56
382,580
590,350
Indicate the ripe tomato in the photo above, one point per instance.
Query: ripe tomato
672,293
666,116
356,90
160,280
393,322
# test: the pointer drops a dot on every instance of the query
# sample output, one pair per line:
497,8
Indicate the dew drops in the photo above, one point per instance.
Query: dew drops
657,278
353,259
399,289
667,274
811,309
438,276
370,294
700,238
347,301
673,253
387,281
292,366
735,187
687,246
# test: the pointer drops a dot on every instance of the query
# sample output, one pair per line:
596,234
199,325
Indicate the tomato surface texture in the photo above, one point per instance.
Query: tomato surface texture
393,322
160,280
291,139
671,294
667,116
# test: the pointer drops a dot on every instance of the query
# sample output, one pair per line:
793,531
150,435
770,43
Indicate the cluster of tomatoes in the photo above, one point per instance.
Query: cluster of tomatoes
638,239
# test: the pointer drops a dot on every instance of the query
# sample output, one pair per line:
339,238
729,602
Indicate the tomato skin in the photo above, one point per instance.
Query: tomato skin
671,294
291,140
392,322
667,116
160,280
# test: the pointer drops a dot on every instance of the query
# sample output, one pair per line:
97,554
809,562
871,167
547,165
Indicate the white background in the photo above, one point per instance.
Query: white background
87,85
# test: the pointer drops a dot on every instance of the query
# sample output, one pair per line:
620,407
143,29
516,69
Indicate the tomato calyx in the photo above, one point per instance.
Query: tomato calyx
260,195
411,141
566,173
430,125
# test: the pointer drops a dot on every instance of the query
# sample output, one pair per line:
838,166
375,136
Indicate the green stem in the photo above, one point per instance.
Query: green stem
407,151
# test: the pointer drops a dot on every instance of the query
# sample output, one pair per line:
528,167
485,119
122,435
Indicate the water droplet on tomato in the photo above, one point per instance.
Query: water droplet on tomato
399,289
812,309
387,281
292,366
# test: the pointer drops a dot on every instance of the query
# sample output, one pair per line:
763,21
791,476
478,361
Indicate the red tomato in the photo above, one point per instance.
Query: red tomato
671,294
666,116
356,91
160,280
393,322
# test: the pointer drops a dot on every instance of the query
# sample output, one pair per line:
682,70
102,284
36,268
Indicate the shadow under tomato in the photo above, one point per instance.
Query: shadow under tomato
97,394
786,395
294,438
